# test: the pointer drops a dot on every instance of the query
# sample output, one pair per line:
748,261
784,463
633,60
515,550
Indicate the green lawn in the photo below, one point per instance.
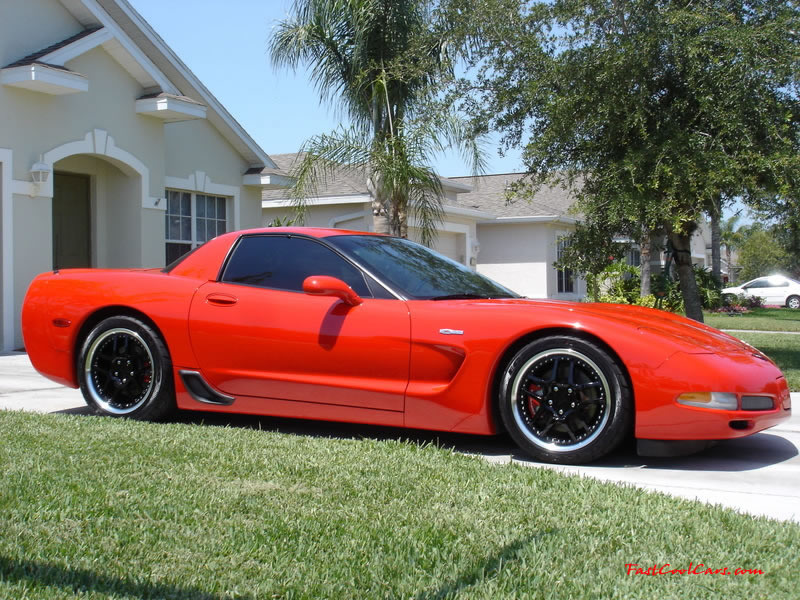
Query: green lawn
765,319
103,508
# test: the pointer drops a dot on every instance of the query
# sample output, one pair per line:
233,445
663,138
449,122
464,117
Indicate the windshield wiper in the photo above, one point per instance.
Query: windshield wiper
461,297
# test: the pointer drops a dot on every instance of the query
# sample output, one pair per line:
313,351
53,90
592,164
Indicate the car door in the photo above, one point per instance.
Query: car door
256,333
776,292
758,288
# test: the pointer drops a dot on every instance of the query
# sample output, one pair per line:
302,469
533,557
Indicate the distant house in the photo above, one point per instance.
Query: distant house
346,203
112,153
514,243
523,239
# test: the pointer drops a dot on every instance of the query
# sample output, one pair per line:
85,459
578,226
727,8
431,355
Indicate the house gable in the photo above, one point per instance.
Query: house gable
170,91
100,119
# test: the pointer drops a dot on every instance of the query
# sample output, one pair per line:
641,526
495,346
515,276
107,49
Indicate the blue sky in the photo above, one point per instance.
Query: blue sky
225,44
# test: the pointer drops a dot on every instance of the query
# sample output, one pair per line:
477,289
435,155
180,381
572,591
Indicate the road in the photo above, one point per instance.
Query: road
758,475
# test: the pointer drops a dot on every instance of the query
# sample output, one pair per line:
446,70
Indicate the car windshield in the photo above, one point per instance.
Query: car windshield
416,271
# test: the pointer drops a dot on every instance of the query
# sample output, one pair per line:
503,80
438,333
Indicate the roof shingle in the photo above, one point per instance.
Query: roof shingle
34,58
490,193
344,182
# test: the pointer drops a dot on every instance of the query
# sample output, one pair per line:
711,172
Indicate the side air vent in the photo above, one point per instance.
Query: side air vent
199,389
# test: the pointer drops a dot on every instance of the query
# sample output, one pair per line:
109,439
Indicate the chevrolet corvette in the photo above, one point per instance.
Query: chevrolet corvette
349,326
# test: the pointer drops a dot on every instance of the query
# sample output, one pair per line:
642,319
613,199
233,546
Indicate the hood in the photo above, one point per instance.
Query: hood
732,290
692,336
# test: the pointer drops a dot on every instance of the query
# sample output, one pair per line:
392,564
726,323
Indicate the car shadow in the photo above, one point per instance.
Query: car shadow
743,454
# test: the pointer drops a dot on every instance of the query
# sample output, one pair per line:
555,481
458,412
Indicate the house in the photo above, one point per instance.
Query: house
345,202
514,243
112,153
524,237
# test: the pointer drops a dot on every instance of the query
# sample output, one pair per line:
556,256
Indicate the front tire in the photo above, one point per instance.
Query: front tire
793,302
565,400
124,370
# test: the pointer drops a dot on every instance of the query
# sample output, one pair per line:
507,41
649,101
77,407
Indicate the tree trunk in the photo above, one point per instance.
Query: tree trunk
380,220
730,270
681,244
716,237
644,263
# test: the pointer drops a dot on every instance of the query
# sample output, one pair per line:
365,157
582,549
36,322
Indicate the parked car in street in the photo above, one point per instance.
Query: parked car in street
773,289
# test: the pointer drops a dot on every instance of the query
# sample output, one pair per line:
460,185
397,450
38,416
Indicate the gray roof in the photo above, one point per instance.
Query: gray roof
33,59
344,182
490,193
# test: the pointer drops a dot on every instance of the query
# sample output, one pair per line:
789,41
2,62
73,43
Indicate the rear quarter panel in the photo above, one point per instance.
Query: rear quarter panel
59,307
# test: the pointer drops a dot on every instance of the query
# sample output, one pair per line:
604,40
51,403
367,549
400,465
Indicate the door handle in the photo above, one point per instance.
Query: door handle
221,300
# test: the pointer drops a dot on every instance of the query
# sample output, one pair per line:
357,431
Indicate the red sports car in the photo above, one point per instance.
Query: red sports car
347,326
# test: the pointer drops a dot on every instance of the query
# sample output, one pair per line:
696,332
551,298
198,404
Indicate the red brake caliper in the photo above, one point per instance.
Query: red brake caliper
533,403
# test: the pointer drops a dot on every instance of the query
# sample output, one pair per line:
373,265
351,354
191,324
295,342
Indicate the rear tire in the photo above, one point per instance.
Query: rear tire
124,370
565,400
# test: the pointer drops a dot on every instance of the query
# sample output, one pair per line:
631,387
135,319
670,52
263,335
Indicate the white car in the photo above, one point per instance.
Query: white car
775,289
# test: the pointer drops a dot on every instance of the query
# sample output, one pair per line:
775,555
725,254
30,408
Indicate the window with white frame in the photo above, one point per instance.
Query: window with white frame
191,220
566,279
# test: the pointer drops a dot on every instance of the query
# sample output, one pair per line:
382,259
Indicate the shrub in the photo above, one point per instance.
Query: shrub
729,301
622,285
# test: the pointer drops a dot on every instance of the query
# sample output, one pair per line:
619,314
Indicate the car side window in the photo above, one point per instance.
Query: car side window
283,263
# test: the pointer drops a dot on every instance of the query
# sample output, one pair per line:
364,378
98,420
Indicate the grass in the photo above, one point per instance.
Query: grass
783,349
104,508
764,319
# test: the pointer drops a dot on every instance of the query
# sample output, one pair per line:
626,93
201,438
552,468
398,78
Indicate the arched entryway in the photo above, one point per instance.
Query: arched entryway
97,199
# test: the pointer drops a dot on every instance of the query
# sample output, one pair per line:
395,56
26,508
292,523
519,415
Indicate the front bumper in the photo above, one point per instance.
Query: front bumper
660,417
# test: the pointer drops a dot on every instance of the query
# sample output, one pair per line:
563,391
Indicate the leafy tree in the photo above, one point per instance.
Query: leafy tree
380,62
651,110
760,254
784,216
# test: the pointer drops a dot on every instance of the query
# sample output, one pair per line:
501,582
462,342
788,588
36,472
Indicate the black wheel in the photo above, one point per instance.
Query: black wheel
793,302
124,370
565,400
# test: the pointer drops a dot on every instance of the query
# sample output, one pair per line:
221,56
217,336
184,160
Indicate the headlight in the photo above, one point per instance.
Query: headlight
718,400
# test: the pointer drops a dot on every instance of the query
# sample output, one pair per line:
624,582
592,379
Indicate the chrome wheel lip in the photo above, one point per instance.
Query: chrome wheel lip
517,413
101,401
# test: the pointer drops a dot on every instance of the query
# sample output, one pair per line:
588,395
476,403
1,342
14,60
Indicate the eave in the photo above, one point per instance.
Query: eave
47,79
170,108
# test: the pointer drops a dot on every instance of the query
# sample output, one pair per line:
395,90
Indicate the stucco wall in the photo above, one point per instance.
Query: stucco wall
455,239
192,145
341,216
42,122
33,249
250,207
514,255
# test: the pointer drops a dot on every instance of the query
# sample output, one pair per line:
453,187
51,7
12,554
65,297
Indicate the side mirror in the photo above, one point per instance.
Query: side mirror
323,285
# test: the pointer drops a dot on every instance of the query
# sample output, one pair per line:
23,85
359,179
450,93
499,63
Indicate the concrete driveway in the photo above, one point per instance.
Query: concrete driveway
758,475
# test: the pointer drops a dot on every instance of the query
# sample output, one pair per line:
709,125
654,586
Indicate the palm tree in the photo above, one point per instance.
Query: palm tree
730,237
380,61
